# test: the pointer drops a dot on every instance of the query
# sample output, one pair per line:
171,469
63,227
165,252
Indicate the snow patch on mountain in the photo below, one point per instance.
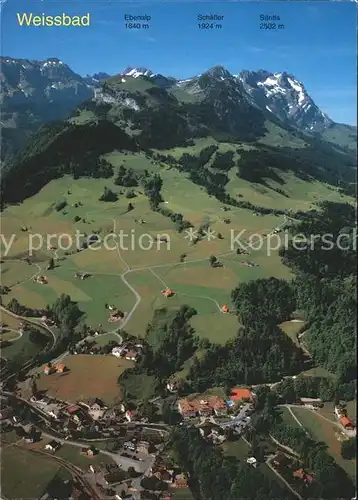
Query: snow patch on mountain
137,72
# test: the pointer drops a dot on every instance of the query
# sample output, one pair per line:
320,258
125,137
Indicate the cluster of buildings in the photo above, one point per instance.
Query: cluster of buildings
287,466
214,405
82,417
312,403
168,474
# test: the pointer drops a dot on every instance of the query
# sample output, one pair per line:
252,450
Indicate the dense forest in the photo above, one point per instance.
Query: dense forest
326,288
214,476
60,149
260,352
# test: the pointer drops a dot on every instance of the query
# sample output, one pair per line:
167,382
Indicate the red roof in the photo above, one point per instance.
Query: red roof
72,408
346,422
237,394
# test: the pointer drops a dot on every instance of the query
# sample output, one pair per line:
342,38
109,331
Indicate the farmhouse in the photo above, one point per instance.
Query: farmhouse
117,351
53,446
47,370
180,481
225,309
347,423
132,355
116,316
96,410
171,386
312,403
168,292
60,368
72,409
252,461
129,415
143,447
128,445
42,280
303,476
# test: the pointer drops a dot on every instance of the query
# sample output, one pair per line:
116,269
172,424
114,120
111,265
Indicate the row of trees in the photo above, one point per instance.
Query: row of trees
327,389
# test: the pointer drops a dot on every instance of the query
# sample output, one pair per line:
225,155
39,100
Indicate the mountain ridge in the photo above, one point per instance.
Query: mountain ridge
36,92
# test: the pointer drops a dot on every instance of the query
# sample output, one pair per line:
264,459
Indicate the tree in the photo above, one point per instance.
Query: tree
51,264
132,472
108,195
130,194
147,410
212,260
130,207
59,205
182,257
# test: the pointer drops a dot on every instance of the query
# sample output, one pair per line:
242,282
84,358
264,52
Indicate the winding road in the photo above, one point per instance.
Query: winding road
138,296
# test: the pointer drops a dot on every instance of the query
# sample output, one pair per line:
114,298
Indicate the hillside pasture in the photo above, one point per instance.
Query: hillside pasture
322,430
36,473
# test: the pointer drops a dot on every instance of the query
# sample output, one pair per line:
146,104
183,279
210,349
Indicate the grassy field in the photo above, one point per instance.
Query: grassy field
25,475
21,347
328,410
10,321
182,494
239,449
291,329
321,430
87,375
288,418
73,454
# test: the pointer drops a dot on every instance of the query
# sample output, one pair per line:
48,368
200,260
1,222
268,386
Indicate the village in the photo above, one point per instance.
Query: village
136,444
134,441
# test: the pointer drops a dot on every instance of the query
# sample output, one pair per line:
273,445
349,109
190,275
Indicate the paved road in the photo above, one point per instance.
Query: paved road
239,417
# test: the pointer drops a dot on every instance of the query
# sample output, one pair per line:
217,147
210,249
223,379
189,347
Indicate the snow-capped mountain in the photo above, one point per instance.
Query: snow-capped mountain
280,95
35,92
160,80
37,83
286,97
136,72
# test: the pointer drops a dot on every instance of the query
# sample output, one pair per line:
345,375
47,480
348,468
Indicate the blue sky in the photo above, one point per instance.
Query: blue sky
318,44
